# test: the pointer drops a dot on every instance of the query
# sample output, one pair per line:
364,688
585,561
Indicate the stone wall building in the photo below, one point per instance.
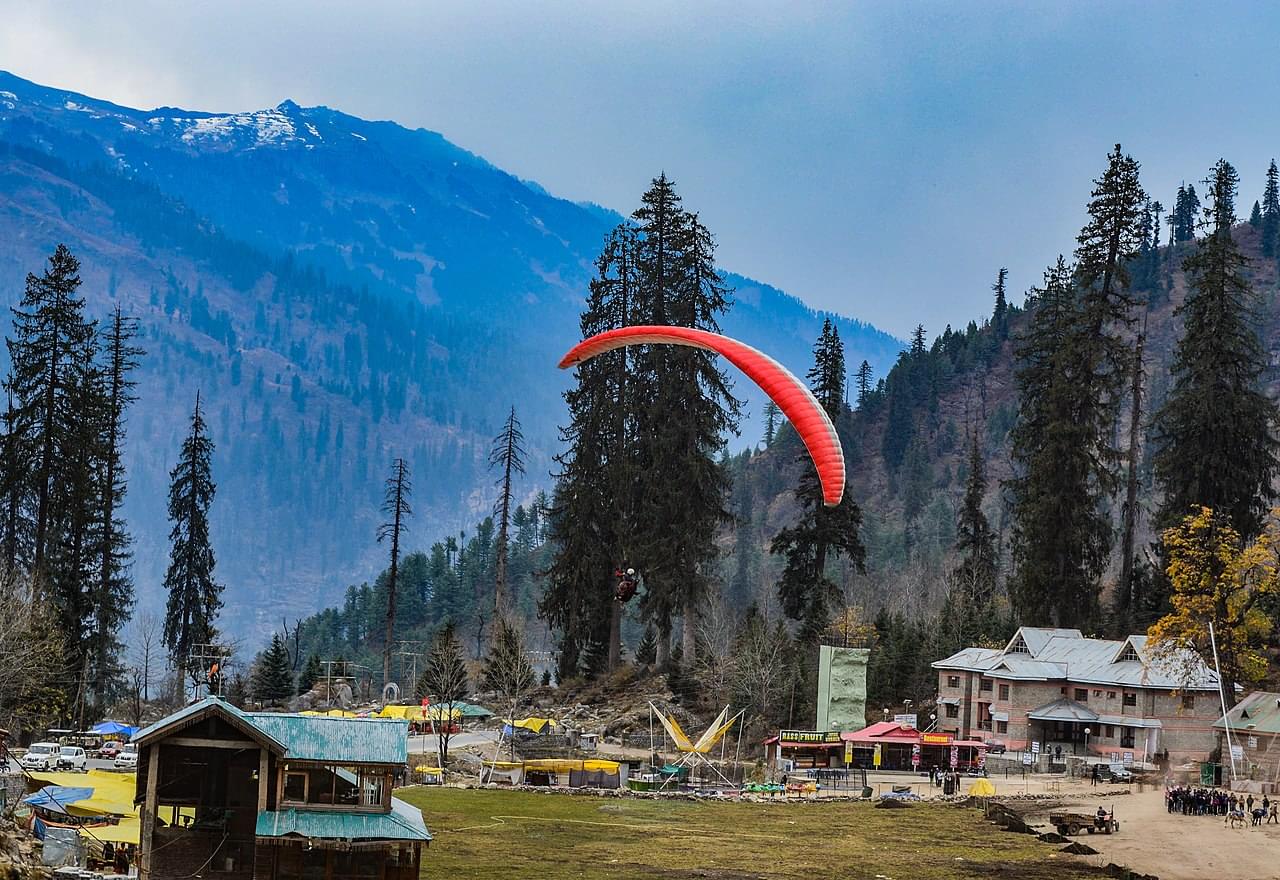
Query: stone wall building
1076,696
1255,732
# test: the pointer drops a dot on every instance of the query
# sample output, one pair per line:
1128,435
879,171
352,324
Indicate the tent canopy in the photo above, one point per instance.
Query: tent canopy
982,788
113,728
104,793
537,725
57,798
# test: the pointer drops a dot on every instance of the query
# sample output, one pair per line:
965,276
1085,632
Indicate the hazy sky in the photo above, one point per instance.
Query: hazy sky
881,159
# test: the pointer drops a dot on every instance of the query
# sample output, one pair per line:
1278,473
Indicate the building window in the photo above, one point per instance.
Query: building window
1004,692
985,685
1082,695
953,681
1063,691
1126,737
1019,647
1188,702
1130,699
953,711
1111,695
1002,727
295,787
1128,654
1108,731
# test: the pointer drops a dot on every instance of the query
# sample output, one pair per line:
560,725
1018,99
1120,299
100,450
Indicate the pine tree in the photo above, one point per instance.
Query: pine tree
675,520
591,508
805,588
863,380
975,542
396,506
1271,211
46,356
507,455
771,414
194,595
918,346
1061,536
272,681
1000,314
1217,370
1255,216
1129,586
114,595
507,670
311,673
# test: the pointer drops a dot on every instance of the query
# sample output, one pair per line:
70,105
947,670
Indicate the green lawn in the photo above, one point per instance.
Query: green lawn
528,835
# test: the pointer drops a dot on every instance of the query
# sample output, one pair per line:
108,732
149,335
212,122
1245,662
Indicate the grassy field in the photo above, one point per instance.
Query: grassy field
482,834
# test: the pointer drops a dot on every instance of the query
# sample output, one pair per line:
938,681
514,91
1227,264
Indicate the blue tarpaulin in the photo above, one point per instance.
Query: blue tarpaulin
56,797
113,728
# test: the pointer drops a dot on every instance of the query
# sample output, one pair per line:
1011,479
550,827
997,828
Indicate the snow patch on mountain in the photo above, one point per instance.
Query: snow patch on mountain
259,128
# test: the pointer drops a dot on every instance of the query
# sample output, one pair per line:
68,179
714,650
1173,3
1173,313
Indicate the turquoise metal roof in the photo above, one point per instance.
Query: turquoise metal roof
402,823
336,740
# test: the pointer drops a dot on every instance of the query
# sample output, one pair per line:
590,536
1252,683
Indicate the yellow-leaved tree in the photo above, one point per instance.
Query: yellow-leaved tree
1218,580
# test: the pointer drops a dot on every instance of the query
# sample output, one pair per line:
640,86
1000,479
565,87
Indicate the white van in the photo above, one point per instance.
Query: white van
41,756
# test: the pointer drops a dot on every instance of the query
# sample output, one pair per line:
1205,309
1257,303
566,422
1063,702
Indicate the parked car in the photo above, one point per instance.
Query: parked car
41,756
128,758
996,748
72,758
109,750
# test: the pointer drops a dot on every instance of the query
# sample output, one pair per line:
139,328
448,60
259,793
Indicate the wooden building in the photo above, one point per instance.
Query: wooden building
274,796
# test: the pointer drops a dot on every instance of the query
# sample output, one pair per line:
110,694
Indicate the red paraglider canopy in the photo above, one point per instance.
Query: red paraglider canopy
790,394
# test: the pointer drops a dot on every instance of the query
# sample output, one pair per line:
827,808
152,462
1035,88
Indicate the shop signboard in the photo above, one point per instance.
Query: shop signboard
1253,742
848,752
936,739
809,737
955,757
1035,748
1028,758
982,758
1128,759
1237,752
915,757
908,719
875,756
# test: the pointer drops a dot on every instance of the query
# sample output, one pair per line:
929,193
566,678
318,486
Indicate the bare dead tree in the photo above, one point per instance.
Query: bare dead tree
396,507
508,454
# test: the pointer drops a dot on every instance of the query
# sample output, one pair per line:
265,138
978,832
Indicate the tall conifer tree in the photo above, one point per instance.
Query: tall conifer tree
508,455
195,596
1215,443
395,505
1271,211
805,588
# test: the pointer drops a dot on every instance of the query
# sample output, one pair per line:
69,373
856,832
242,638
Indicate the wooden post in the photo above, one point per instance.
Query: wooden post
149,808
263,776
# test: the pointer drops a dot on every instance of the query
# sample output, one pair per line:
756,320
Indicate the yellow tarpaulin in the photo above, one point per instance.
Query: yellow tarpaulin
563,765
113,793
982,788
537,725
127,831
332,713
417,713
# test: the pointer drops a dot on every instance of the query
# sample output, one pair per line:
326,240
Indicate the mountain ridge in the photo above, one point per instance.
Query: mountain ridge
390,289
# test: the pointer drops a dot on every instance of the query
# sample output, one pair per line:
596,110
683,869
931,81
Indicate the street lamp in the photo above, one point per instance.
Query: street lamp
1086,743
885,710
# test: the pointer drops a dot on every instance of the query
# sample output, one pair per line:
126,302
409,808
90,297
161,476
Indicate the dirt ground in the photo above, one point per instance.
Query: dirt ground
1173,846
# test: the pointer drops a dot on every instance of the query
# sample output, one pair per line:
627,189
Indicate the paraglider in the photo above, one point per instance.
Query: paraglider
626,587
790,394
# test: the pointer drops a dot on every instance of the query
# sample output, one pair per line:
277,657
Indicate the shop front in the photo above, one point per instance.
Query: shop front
890,745
805,749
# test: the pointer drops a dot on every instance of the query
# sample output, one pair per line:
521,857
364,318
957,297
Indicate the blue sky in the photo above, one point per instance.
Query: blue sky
879,159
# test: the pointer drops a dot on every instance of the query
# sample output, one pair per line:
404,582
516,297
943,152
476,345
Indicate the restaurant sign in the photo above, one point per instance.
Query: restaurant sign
809,736
936,739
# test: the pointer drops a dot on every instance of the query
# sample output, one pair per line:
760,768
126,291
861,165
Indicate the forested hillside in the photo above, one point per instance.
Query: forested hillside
341,292
941,452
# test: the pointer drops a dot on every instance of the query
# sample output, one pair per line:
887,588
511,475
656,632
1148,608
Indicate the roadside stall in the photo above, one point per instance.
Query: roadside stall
804,750
903,747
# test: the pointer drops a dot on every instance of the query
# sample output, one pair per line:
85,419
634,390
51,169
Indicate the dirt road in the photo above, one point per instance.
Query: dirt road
1177,847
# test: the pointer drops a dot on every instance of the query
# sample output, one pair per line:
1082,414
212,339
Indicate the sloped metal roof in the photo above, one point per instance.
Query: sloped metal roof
1067,655
1259,712
192,713
336,740
404,822
1063,709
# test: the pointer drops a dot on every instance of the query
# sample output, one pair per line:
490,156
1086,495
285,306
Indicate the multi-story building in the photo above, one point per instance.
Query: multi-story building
1057,692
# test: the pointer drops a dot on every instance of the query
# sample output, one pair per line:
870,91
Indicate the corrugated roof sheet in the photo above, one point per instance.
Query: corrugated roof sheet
336,740
1066,654
1063,709
404,822
1259,712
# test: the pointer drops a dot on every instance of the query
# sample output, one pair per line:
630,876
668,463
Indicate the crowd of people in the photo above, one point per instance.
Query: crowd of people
1198,801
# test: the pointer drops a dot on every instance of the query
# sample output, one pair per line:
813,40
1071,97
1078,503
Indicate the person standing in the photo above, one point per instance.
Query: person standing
1094,774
